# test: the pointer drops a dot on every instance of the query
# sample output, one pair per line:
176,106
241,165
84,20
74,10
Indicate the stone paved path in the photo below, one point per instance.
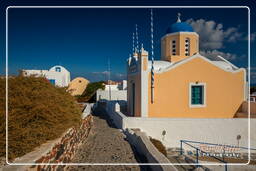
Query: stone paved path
105,144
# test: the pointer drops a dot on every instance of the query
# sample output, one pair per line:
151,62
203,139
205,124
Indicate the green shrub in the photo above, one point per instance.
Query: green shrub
37,112
90,91
158,144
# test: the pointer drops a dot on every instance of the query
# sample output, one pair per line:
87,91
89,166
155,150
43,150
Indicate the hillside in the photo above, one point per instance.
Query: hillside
37,112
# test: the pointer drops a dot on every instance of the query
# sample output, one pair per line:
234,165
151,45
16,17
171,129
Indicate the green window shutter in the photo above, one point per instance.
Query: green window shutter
197,95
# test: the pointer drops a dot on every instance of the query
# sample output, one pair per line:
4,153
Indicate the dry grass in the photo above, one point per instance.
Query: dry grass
158,144
37,112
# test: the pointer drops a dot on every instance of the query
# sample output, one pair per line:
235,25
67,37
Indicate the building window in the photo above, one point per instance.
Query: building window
173,47
187,47
57,69
197,96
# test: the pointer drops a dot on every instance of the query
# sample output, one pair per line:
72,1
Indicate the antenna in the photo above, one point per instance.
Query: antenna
137,37
133,48
109,79
152,57
178,18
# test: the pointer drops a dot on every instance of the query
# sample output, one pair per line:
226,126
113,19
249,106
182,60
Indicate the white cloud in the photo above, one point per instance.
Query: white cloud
98,76
103,72
212,35
212,54
253,36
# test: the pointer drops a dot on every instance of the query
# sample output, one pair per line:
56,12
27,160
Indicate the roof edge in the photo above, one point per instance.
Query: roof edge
198,56
176,33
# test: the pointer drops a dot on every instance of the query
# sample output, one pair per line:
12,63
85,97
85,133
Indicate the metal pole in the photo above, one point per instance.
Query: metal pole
137,38
197,157
152,56
181,151
109,79
223,157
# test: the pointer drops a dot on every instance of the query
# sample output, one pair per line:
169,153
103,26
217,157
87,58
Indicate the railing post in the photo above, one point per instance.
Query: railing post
197,157
223,157
181,151
226,167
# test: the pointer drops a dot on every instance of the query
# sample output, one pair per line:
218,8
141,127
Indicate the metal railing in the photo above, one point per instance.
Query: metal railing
187,142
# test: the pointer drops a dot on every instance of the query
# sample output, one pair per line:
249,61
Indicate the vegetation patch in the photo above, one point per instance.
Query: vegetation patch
158,144
90,91
37,112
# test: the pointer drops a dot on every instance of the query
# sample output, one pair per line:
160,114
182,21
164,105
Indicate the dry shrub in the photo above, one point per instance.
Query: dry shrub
37,112
158,144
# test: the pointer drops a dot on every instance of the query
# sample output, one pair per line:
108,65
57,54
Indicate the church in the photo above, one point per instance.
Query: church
183,84
56,75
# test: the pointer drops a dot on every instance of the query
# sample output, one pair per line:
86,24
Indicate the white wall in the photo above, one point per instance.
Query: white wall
124,85
112,87
115,94
62,78
219,131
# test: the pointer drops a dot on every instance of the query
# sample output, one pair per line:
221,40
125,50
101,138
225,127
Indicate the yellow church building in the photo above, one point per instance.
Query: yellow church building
186,84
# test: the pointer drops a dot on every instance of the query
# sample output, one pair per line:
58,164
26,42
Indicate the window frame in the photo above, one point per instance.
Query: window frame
57,69
190,95
187,46
173,47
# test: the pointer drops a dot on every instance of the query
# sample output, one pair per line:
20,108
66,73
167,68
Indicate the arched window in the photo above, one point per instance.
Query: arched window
58,69
173,47
187,47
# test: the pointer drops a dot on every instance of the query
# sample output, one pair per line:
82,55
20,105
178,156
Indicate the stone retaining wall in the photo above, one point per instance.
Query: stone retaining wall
63,151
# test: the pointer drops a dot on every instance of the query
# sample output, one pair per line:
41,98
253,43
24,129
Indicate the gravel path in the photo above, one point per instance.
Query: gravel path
105,144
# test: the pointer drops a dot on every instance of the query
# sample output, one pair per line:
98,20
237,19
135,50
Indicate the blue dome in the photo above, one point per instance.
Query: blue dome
179,27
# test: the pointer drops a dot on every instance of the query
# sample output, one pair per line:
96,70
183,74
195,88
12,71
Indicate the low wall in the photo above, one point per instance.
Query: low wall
144,146
115,95
62,151
87,110
219,131
171,130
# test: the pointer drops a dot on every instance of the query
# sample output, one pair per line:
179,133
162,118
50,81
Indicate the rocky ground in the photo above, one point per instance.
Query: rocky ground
106,144
2,162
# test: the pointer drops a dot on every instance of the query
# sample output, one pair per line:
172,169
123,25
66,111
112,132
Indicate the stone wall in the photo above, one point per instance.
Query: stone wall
63,151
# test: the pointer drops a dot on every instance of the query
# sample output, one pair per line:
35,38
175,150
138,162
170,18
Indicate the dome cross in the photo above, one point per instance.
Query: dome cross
178,16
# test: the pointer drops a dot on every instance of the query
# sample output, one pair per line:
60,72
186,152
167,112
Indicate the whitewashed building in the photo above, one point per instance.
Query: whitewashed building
57,75
113,92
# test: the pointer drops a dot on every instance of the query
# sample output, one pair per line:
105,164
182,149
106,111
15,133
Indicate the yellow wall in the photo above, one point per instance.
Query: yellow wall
77,86
166,45
224,91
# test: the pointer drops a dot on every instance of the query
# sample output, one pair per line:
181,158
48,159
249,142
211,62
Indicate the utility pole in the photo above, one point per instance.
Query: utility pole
109,79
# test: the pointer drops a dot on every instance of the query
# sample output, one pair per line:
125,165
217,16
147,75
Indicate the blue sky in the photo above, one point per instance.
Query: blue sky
82,40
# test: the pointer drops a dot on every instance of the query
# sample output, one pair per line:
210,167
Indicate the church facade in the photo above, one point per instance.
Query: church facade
183,83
